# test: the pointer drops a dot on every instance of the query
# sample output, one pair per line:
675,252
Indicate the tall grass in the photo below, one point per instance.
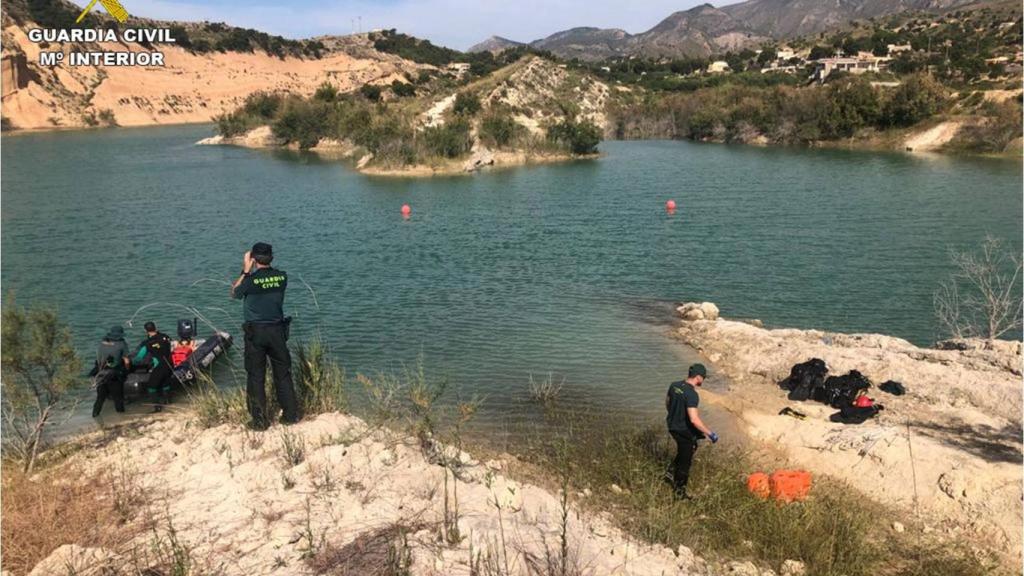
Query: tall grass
836,531
319,381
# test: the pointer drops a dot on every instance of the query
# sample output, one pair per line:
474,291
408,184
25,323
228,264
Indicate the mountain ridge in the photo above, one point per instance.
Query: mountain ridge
706,30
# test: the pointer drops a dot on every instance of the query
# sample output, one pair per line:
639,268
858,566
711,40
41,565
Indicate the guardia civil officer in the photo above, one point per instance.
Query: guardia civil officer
261,288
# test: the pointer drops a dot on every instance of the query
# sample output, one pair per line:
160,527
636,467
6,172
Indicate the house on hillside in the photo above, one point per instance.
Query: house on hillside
897,48
718,67
460,69
785,54
864,62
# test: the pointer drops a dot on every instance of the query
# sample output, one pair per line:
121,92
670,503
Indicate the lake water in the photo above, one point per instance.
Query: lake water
568,269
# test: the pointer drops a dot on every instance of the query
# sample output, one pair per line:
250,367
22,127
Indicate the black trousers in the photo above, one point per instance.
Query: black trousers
686,446
263,341
160,381
112,386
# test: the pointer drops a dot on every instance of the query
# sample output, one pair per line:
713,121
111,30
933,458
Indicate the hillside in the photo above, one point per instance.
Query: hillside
532,110
706,30
209,71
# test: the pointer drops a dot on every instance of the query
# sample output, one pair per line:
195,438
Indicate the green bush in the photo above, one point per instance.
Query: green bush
235,123
499,130
449,140
578,137
402,89
917,98
371,92
327,92
466,104
303,121
263,105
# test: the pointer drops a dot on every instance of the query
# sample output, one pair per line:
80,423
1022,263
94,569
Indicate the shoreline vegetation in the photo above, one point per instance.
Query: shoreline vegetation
528,112
405,488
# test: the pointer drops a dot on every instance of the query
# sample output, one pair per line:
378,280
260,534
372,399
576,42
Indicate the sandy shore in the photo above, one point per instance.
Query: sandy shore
237,502
949,451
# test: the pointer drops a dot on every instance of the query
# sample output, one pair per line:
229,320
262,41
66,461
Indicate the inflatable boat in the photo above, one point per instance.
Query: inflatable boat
205,351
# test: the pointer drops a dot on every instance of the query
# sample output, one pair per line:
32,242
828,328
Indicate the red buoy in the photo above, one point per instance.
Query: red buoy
670,205
406,210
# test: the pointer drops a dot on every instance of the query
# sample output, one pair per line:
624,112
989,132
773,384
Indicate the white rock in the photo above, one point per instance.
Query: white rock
615,488
710,310
364,161
211,141
74,559
793,568
693,314
898,527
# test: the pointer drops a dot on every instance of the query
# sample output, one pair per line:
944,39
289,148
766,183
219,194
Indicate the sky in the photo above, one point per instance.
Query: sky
455,23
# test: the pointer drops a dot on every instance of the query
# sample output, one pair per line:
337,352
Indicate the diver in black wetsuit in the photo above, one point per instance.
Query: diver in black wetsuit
156,351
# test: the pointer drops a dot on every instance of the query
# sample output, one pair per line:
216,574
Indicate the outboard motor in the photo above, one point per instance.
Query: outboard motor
187,328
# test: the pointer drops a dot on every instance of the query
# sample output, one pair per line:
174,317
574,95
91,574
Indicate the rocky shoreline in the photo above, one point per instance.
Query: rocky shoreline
479,159
948,452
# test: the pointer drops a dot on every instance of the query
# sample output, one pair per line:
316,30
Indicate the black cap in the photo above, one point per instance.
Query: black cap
115,333
261,249
698,370
149,327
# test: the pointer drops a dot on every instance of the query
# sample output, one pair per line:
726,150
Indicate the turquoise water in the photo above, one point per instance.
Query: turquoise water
564,268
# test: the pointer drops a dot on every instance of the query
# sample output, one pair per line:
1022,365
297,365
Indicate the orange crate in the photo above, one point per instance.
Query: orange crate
790,485
758,485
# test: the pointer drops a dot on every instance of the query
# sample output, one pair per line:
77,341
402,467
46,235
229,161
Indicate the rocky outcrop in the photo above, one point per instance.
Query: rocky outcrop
260,137
691,311
480,158
234,499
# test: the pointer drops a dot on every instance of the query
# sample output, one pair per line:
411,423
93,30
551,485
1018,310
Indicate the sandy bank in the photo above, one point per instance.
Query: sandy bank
949,450
238,503
189,88
479,159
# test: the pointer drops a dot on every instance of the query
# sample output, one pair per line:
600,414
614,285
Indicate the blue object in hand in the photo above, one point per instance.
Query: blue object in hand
713,437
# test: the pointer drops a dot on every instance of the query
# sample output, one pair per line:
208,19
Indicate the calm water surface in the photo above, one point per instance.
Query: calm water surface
568,269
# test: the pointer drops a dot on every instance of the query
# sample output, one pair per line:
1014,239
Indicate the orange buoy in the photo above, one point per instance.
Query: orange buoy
670,205
406,210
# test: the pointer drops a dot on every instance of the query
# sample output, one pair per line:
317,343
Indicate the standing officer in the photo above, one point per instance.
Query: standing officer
685,425
261,288
110,370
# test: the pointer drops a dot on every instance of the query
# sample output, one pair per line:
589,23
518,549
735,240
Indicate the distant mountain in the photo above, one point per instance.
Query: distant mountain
584,43
706,30
789,18
700,31
495,44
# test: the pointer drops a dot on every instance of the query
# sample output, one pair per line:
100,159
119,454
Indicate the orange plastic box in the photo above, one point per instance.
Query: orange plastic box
758,485
790,485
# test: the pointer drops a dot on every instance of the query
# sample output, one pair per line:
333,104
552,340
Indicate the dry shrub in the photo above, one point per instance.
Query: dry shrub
382,552
47,512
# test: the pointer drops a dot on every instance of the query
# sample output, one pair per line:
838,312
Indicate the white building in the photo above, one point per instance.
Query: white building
826,66
718,67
